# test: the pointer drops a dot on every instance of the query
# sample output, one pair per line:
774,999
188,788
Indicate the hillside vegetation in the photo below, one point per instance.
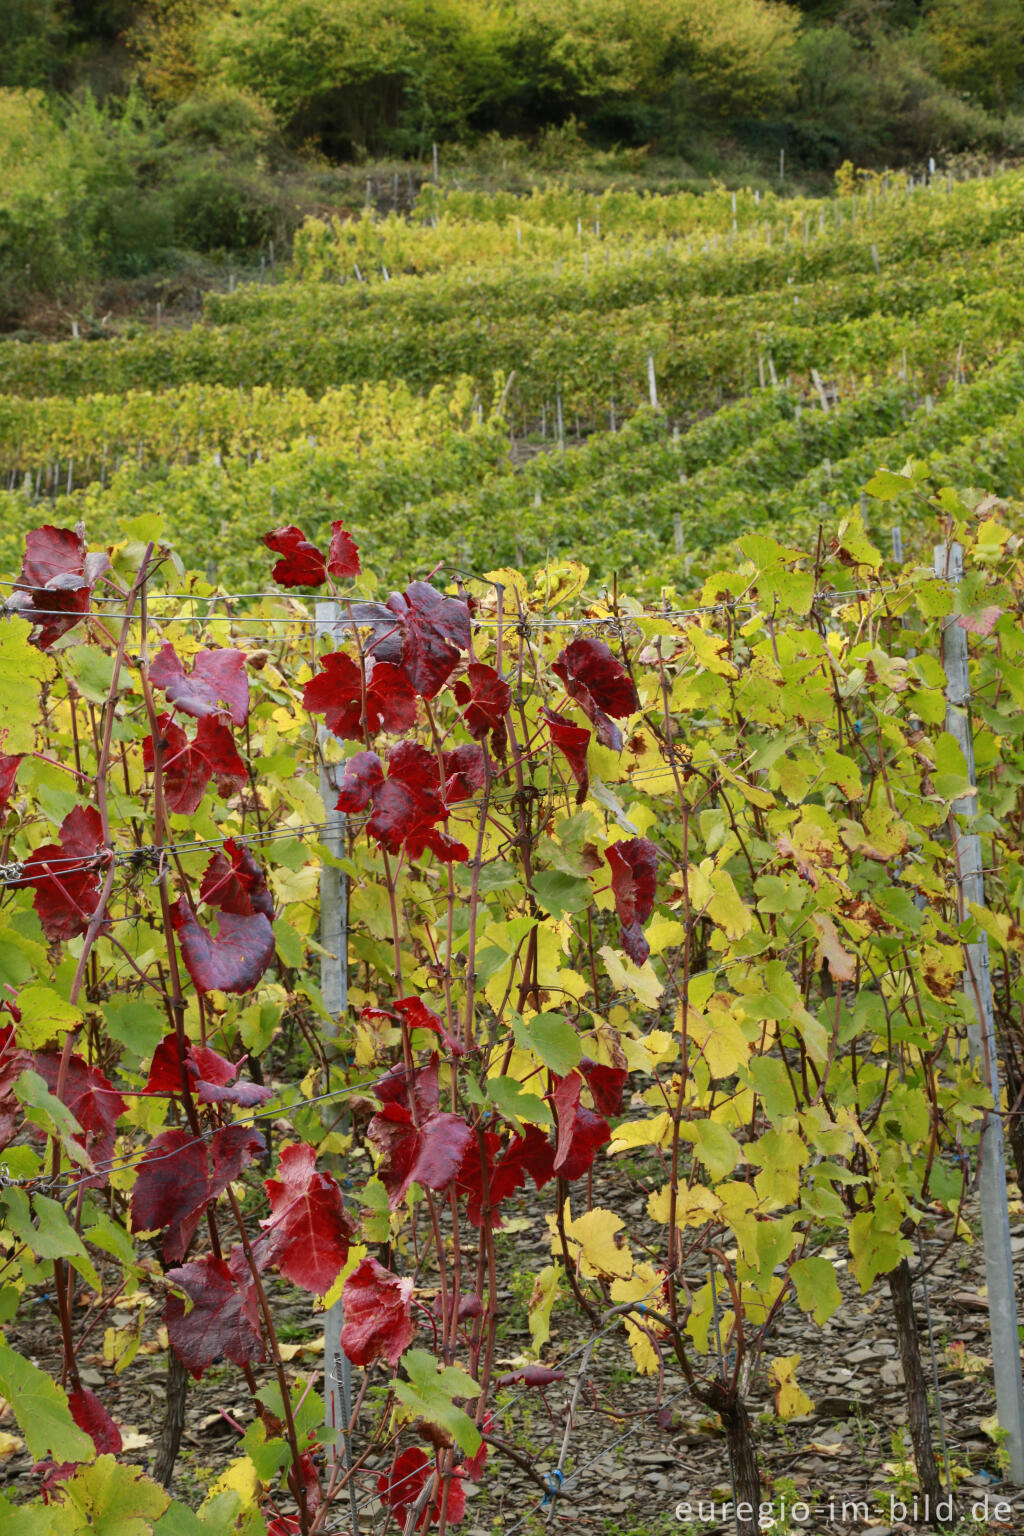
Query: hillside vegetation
700,365
159,138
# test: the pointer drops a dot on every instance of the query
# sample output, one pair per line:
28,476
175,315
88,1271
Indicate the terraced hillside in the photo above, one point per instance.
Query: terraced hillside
700,365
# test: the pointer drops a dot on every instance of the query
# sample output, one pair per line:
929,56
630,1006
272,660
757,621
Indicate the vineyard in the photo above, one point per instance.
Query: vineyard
512,794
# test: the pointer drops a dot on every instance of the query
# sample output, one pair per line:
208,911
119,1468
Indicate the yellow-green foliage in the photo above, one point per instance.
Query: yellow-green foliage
342,68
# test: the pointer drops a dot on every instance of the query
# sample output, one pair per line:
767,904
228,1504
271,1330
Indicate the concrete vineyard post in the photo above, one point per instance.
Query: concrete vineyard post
334,987
981,1037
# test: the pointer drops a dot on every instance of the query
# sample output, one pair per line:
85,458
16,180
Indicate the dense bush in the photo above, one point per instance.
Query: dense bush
91,191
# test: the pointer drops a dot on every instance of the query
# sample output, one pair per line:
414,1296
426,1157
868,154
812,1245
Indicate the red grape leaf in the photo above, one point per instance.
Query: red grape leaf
378,1314
580,1130
427,1154
66,895
56,582
409,800
175,1182
92,1100
418,1016
216,745
337,694
393,1088
234,882
233,959
218,683
8,774
363,776
185,773
223,1318
432,631
172,1189
165,1069
89,1414
530,1154
634,865
487,699
444,848
244,1093
343,553
599,684
233,1148
401,1486
302,564
572,741
475,1178
309,1229
13,1062
605,1084
464,773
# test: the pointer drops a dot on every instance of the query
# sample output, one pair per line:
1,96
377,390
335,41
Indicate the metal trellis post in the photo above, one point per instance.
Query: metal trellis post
981,1037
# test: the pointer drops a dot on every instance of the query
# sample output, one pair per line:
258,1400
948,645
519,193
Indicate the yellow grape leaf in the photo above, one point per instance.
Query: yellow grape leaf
356,1255
653,1132
719,1038
644,1287
624,976
542,1299
514,583
662,932
712,651
643,1053
10,1445
23,669
591,1243
941,968
559,582
791,1401
293,885
694,1205
726,908
238,1477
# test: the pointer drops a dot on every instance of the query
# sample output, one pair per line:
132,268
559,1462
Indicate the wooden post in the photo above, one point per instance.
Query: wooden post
981,1039
334,988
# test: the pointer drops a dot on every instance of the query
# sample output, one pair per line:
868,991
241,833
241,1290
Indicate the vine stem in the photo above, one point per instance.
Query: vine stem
275,1350
63,1275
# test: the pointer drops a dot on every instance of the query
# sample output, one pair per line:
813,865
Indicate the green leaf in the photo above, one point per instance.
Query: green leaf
44,1016
516,1104
429,1394
115,1500
557,893
307,1407
771,1081
29,1519
92,670
876,1246
289,944
817,1289
553,1039
41,1409
23,669
269,1457
51,1236
134,1023
50,1114
713,1145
